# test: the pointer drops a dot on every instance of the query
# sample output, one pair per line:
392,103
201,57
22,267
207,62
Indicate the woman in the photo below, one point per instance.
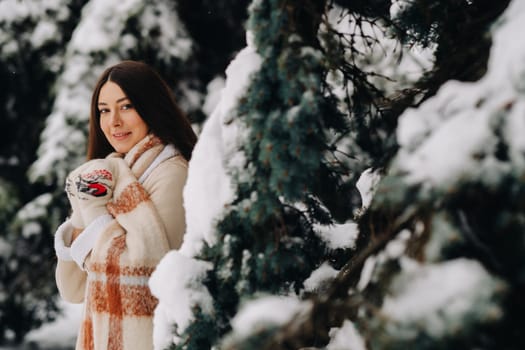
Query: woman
127,209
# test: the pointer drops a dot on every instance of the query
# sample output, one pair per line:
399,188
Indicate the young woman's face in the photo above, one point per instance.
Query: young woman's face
119,121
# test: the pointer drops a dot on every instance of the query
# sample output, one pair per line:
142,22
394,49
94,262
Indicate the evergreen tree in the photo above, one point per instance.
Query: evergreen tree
51,53
440,247
32,37
266,243
438,259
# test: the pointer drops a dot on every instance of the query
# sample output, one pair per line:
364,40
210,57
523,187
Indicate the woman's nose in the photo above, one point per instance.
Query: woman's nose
115,119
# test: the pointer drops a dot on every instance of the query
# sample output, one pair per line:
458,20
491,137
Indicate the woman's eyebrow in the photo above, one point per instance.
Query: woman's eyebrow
118,101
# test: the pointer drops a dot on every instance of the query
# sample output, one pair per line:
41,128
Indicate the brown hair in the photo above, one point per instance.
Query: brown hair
154,102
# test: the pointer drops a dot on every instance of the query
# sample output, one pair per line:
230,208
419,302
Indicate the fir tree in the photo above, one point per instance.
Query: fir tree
266,242
51,54
438,260
32,37
439,255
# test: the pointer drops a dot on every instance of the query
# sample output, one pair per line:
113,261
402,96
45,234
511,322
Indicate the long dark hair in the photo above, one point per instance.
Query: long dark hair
153,101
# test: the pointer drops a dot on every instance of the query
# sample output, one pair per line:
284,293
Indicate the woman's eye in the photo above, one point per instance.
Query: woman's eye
103,111
127,106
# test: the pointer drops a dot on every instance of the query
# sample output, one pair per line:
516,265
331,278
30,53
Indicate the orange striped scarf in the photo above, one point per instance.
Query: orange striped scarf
118,311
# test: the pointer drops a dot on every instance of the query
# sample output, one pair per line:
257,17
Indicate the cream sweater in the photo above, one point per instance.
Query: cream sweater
108,266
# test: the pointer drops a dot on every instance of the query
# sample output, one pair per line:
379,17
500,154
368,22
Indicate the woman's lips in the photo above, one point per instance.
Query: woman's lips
119,136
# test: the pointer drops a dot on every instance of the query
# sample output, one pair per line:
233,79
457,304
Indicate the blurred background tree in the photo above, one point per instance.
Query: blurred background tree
51,52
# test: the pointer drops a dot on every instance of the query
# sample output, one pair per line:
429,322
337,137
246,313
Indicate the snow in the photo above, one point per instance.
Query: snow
466,118
35,208
264,312
338,235
61,333
207,192
9,10
514,134
43,15
320,276
215,147
12,10
345,338
174,42
5,248
397,7
101,28
397,247
401,65
394,250
31,213
468,134
437,297
176,283
367,272
366,184
43,33
213,96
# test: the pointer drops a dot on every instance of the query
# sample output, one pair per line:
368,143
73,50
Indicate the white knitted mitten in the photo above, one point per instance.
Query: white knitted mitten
94,188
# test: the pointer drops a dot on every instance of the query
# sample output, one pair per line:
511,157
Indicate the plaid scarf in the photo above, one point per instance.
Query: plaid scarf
118,311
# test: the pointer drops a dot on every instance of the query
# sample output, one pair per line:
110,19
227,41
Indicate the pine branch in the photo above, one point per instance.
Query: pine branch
333,307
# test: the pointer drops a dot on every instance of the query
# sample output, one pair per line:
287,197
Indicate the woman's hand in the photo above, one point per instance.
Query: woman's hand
94,188
89,188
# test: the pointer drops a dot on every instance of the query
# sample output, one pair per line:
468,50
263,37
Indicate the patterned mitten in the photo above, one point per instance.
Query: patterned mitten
72,196
94,188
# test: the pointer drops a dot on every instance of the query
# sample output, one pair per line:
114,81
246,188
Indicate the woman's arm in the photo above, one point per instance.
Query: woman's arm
165,186
70,279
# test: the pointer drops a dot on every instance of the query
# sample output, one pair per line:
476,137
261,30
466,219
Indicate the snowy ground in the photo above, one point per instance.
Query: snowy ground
57,335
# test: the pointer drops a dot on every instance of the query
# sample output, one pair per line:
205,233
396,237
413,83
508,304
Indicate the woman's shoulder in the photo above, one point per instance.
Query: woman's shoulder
174,166
175,162
169,175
